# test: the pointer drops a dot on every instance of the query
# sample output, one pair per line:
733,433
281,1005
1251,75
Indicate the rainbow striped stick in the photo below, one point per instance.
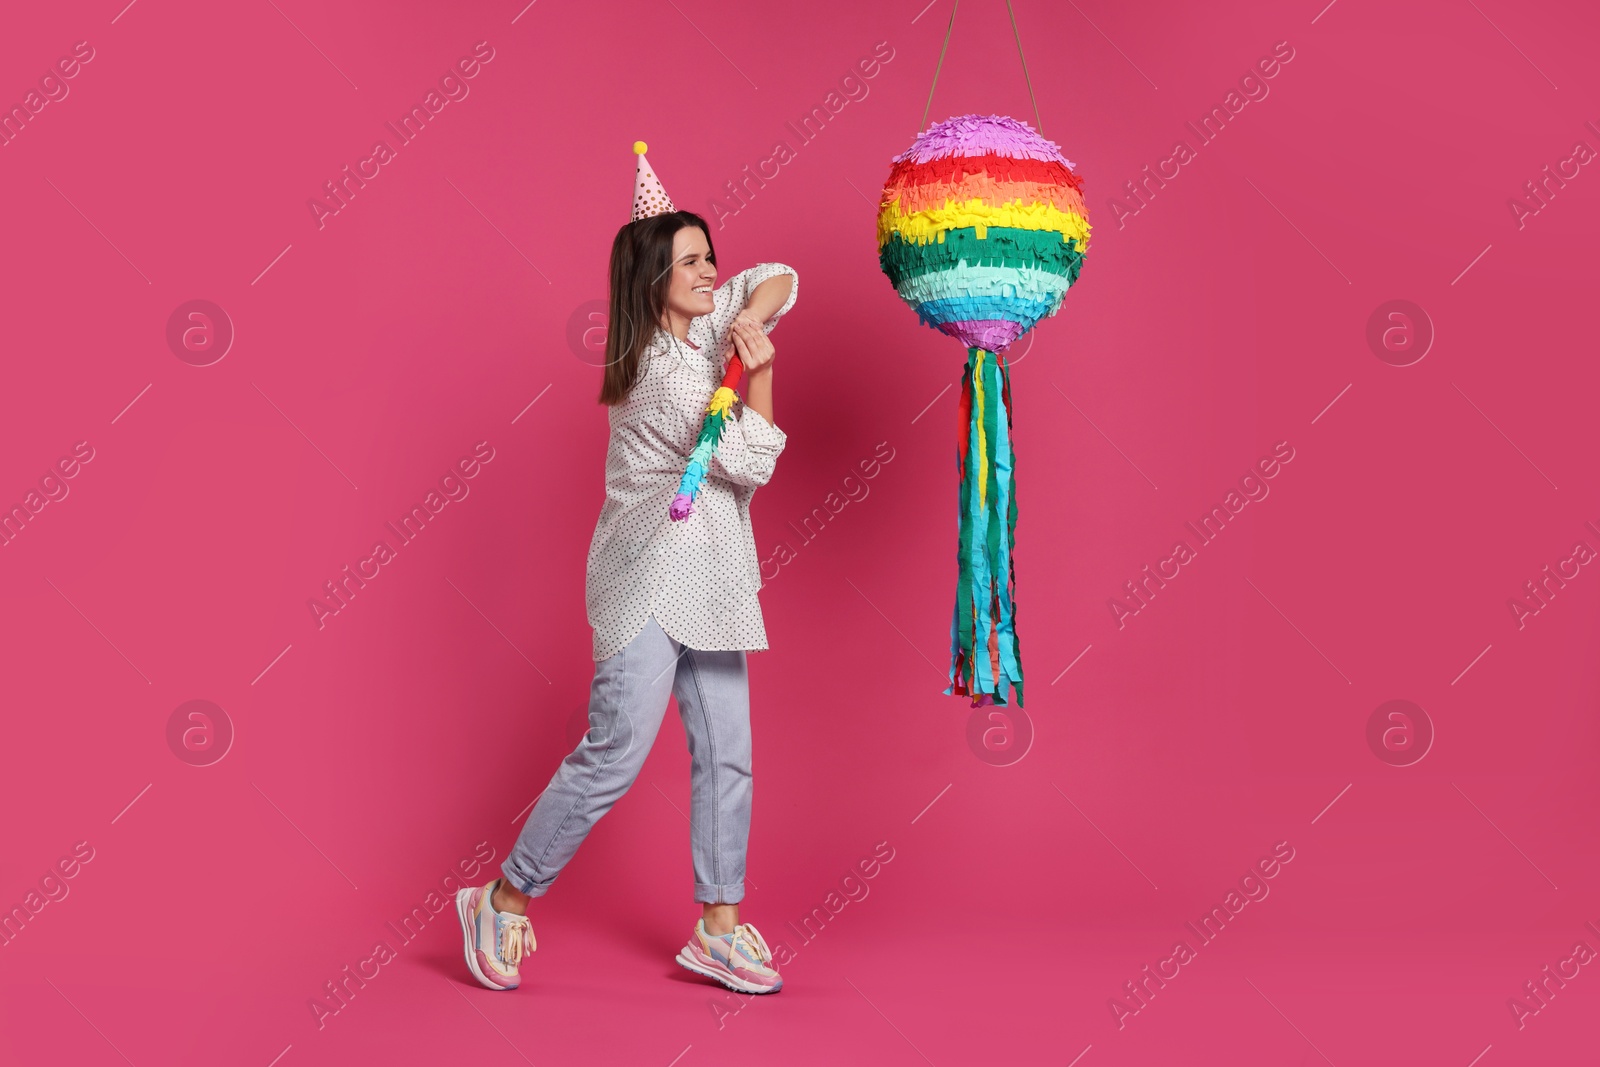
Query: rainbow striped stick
682,505
981,230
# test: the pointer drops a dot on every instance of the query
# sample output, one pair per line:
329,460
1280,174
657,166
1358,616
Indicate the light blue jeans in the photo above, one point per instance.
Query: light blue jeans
627,701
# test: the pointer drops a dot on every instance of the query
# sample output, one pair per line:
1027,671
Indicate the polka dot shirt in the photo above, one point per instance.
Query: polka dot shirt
698,577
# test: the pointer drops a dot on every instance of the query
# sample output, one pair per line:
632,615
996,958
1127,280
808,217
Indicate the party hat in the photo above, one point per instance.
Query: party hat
649,198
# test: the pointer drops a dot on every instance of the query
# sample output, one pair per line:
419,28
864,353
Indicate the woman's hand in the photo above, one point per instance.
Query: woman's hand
752,344
750,315
755,352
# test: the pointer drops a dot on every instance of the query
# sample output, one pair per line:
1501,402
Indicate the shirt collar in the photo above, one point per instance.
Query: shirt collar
665,339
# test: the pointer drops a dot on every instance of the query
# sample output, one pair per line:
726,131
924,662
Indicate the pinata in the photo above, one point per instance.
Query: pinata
981,229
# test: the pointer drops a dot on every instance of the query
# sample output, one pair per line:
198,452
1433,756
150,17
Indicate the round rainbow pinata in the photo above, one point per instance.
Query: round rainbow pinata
982,228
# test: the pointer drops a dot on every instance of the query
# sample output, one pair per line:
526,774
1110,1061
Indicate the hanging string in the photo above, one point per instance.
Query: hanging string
1038,122
936,67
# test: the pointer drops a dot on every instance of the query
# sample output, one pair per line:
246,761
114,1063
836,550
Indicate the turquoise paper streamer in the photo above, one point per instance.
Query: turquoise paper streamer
984,537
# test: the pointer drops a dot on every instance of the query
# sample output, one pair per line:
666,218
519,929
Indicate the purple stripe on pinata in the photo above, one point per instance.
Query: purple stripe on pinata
992,335
970,135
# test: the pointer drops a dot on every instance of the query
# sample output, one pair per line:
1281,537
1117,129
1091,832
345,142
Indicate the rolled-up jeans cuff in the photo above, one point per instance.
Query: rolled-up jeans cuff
731,893
522,881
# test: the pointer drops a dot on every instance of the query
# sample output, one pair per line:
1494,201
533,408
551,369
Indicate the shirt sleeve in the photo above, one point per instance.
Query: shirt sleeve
732,297
665,413
748,451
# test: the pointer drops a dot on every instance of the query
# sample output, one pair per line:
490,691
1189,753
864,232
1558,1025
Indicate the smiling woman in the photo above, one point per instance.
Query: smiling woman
659,382
641,254
672,604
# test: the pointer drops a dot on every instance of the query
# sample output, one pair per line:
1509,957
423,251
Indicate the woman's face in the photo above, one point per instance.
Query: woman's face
693,275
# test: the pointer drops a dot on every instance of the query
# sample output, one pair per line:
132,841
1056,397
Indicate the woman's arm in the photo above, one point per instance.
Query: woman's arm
736,294
748,449
777,283
766,300
770,296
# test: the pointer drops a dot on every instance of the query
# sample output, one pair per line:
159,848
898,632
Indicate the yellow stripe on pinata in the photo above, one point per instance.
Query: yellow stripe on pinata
931,224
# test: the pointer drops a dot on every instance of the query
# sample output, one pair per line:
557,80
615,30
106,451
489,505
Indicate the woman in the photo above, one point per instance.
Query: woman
673,604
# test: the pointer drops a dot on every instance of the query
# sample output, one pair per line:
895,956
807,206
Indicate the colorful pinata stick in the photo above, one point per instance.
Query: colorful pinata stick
710,433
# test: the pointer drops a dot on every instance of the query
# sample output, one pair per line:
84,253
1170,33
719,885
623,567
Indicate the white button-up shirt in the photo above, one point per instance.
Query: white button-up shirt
699,576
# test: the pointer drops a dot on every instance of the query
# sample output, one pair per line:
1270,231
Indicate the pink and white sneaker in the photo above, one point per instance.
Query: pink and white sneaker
740,960
496,941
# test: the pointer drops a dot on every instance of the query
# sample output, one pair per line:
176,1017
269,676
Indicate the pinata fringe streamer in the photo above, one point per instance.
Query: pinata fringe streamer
985,654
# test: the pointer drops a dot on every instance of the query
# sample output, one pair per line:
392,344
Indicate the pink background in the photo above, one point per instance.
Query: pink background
1228,715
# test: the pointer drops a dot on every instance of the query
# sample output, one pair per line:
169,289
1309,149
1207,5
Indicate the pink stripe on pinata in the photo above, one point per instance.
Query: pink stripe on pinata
992,335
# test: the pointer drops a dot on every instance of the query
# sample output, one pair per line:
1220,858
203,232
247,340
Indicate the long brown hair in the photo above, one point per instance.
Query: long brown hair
641,275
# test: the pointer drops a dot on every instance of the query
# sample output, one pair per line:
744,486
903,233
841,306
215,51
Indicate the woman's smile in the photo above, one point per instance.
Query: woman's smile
701,295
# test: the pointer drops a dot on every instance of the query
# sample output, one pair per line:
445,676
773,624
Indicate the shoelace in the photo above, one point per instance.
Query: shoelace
516,939
749,935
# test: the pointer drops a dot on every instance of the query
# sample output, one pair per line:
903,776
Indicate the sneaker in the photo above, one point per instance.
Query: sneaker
496,941
740,960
